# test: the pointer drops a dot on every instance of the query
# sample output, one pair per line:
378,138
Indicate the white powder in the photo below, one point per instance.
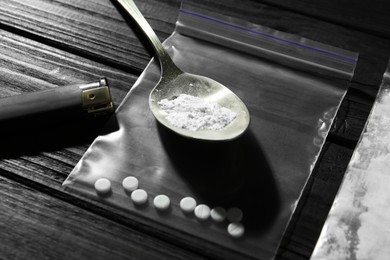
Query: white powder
194,114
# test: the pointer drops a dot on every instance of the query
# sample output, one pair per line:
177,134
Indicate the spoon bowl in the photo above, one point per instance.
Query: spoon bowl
208,90
174,82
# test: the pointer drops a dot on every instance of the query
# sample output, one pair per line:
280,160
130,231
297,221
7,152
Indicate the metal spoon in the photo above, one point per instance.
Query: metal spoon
174,82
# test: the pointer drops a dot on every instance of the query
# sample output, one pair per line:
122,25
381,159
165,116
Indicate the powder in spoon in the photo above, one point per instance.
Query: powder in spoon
193,113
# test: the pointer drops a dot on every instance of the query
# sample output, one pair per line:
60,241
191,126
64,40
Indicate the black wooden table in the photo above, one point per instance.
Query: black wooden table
46,44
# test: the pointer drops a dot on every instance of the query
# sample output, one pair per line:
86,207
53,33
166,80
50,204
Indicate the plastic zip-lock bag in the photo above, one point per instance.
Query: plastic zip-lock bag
292,87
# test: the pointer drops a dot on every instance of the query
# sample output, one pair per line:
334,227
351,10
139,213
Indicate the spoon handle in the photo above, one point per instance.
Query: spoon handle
168,68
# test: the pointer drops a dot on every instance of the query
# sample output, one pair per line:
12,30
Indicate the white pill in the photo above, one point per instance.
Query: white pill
236,229
103,186
188,204
161,202
218,214
139,196
130,183
234,215
202,212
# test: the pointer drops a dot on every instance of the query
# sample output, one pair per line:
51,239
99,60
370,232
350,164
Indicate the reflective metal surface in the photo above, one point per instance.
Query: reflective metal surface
96,98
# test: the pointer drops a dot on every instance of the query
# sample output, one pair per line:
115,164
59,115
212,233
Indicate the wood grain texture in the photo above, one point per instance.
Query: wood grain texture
371,17
93,29
35,225
46,44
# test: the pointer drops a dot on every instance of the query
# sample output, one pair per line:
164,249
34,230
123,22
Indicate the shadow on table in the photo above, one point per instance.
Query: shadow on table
229,174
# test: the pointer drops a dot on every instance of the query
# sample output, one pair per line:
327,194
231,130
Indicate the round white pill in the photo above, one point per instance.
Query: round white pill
218,214
139,196
161,202
188,204
236,229
234,215
103,186
202,212
130,183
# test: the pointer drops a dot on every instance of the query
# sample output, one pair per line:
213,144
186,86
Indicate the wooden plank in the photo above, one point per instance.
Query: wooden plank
31,66
93,29
370,17
35,225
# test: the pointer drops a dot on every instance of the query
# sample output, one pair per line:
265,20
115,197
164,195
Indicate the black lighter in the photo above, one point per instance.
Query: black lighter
55,118
73,100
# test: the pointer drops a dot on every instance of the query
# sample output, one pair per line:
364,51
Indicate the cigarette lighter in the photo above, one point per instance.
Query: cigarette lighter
73,100
55,118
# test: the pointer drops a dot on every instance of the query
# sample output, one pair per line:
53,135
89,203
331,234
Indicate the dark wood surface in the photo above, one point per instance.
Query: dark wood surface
45,44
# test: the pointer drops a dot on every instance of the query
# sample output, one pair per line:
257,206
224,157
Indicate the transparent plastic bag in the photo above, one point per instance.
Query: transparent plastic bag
292,87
